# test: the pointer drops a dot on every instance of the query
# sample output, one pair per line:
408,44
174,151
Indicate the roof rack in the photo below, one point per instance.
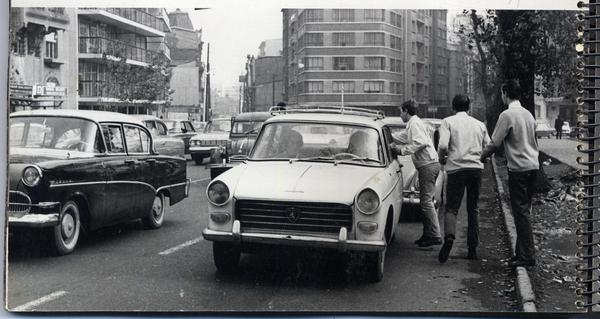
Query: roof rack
327,109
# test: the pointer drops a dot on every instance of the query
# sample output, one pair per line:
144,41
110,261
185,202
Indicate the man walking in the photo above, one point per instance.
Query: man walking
558,124
462,140
420,147
516,130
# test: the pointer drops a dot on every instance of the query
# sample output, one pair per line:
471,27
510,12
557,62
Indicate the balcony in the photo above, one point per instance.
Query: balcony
95,47
134,20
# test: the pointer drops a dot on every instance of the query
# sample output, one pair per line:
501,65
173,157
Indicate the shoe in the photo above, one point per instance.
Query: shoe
419,240
472,255
445,251
521,263
430,242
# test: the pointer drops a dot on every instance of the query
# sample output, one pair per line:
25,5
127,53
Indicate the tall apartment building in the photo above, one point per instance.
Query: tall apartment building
371,58
135,34
187,70
43,67
262,83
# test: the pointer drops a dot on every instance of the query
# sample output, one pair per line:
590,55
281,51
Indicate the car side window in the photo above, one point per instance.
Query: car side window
188,127
162,128
113,135
133,139
387,137
145,141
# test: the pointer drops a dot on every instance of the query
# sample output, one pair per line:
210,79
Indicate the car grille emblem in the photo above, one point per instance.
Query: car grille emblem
293,214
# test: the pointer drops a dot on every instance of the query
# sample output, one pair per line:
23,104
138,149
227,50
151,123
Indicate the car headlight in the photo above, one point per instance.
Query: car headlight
367,201
31,176
218,193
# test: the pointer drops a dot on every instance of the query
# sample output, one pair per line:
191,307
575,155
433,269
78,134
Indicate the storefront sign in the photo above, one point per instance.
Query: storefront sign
49,90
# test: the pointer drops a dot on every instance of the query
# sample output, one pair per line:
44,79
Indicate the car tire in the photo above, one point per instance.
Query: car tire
198,159
66,233
375,264
156,215
226,256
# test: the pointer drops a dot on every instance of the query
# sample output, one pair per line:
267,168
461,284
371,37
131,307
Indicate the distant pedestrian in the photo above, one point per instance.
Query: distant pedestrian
281,106
516,130
462,140
558,124
425,158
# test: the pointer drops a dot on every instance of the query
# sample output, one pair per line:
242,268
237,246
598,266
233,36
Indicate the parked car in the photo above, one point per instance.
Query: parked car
300,187
164,143
212,142
72,169
566,128
543,129
411,202
244,130
198,125
182,129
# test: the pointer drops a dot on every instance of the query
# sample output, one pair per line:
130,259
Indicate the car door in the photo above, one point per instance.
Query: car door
394,169
138,144
120,169
188,131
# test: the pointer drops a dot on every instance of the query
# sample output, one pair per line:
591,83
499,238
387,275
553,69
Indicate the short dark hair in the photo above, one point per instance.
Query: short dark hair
461,103
281,104
512,88
409,106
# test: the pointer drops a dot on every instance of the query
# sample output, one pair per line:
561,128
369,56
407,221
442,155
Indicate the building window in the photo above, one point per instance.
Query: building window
313,39
373,87
414,69
396,19
374,63
343,39
314,86
51,45
343,63
313,15
311,63
348,86
412,90
374,15
395,65
395,42
395,87
374,38
343,15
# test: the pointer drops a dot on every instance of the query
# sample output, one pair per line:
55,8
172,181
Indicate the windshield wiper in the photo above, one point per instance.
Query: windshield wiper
315,158
362,159
250,131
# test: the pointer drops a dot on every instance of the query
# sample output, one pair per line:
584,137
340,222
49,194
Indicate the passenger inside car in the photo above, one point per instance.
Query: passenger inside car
360,145
291,144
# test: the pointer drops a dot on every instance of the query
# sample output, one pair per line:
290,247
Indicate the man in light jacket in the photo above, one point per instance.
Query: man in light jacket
420,147
462,140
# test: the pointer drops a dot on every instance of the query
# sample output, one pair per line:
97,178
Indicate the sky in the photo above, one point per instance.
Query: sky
233,33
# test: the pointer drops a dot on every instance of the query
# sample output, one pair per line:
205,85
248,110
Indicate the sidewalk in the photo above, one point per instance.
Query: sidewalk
564,150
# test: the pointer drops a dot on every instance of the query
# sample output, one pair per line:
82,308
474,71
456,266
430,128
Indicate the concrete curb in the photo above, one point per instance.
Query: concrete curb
524,286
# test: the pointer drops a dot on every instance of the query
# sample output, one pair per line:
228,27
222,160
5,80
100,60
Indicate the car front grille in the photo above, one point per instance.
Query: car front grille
211,142
19,203
293,216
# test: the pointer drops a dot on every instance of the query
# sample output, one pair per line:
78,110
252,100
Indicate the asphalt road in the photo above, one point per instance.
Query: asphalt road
126,268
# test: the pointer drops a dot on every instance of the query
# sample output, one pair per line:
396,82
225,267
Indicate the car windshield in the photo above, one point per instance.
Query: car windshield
319,142
61,133
246,127
218,126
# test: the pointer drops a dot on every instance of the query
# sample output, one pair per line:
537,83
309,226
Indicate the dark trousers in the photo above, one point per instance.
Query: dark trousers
521,186
455,189
559,134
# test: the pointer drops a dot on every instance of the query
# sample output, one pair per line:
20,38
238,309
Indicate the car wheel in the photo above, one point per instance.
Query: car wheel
226,256
155,217
375,264
66,233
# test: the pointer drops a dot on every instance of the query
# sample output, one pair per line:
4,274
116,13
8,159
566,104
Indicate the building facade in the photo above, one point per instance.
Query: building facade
187,69
370,58
115,45
262,83
42,67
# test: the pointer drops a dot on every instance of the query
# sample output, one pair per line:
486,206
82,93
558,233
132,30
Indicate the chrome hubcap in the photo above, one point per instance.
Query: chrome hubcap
157,208
68,226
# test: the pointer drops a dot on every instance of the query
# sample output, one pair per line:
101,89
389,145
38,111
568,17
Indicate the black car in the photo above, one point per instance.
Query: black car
72,169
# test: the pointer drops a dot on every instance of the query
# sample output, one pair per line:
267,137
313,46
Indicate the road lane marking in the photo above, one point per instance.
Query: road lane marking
32,304
182,246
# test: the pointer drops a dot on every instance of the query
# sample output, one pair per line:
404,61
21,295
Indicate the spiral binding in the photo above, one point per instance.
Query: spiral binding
588,89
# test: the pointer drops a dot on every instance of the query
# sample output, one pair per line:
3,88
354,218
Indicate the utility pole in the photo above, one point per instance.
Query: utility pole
207,106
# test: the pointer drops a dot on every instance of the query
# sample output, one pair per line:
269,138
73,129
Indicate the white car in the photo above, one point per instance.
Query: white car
321,178
566,128
212,142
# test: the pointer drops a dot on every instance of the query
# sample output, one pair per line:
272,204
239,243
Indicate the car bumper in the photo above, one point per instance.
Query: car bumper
44,215
411,198
202,150
342,243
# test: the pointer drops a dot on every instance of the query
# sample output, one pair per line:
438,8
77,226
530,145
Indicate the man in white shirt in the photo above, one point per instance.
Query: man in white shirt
462,140
516,130
420,147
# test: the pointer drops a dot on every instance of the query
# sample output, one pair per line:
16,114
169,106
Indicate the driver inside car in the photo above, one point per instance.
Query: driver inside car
290,145
360,145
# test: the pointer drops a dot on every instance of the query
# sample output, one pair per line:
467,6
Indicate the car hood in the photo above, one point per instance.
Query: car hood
211,136
301,181
36,155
